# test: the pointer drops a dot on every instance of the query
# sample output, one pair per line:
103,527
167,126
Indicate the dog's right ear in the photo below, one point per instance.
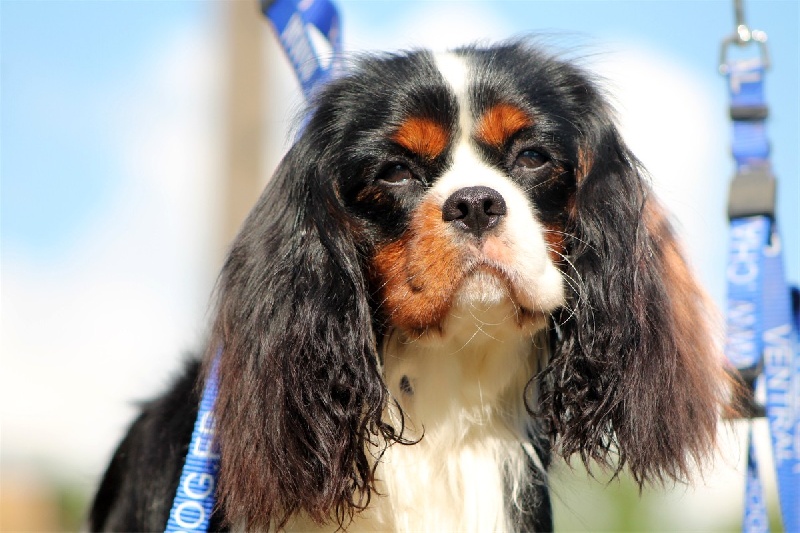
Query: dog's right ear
300,394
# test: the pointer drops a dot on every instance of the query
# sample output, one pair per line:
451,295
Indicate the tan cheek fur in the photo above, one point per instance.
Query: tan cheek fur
416,274
556,249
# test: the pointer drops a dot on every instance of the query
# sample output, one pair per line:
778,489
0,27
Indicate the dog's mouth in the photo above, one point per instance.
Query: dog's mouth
479,287
424,277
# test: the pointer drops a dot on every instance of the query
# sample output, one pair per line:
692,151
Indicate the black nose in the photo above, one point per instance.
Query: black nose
474,209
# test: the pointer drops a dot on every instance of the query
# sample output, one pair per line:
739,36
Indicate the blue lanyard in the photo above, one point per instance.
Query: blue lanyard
194,500
293,20
762,337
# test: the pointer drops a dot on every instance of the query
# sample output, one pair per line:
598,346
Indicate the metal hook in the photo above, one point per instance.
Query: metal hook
742,37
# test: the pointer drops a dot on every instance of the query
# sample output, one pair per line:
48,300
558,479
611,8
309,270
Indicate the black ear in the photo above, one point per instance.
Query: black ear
300,394
638,371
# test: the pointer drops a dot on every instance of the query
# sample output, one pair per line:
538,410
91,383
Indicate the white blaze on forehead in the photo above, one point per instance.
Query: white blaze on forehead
455,71
468,168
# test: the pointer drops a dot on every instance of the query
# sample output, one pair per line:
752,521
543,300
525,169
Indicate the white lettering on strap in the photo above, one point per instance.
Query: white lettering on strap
743,264
190,507
778,358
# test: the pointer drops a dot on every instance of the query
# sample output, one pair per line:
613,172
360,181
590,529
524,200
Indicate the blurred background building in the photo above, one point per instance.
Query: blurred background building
135,135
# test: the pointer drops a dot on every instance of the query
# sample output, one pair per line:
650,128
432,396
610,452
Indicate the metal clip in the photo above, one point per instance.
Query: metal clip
742,37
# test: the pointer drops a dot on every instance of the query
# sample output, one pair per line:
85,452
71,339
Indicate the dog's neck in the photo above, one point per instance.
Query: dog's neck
465,368
461,389
459,393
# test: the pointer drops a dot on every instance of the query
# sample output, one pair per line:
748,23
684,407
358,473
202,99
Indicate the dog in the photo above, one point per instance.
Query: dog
457,270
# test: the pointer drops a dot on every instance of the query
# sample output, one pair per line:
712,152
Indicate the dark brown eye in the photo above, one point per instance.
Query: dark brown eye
396,174
530,159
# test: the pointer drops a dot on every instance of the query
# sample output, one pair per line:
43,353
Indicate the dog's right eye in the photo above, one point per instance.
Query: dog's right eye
530,160
396,174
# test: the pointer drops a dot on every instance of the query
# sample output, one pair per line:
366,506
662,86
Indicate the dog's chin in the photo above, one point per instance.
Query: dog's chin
487,298
484,311
483,289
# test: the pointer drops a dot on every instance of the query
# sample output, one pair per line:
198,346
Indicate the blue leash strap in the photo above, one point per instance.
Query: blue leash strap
744,345
762,340
756,518
782,376
295,22
195,497
763,343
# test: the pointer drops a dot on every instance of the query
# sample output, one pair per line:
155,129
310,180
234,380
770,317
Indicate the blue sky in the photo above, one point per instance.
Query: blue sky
111,122
58,59
59,56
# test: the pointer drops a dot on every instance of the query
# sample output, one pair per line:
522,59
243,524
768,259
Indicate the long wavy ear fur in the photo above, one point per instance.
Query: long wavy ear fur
637,378
299,389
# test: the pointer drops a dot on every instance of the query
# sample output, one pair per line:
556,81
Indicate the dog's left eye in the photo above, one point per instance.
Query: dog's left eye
396,174
530,159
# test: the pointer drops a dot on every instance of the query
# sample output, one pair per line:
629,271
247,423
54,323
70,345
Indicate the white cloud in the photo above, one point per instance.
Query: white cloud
85,336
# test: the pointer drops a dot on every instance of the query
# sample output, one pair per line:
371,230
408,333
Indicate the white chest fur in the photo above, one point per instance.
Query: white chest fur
461,394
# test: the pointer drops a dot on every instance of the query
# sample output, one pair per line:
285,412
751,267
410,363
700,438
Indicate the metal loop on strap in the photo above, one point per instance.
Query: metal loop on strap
742,36
752,192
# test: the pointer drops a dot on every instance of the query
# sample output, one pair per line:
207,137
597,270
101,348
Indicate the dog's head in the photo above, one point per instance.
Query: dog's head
425,182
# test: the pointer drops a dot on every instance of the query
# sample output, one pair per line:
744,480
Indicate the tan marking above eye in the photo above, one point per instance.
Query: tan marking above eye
422,136
501,122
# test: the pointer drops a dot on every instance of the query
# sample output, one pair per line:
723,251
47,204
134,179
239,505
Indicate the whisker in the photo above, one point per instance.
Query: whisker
467,342
573,237
551,179
569,263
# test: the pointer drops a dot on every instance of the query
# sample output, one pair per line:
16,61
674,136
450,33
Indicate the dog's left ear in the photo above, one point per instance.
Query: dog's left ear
638,370
300,394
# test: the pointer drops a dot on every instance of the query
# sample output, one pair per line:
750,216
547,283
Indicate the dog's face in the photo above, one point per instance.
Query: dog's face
423,183
463,180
